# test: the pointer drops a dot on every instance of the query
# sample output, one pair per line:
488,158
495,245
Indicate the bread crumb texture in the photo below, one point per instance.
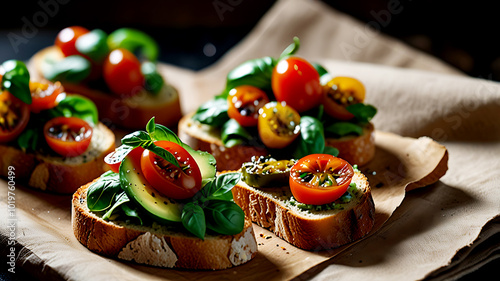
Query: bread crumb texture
243,249
149,249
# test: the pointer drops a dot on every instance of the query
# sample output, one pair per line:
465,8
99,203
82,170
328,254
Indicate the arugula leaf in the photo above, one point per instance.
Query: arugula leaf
16,80
193,219
212,112
232,133
224,217
362,112
340,129
311,139
76,106
101,193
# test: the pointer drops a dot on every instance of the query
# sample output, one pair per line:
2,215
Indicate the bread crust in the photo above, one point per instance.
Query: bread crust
308,233
354,149
52,174
110,239
132,113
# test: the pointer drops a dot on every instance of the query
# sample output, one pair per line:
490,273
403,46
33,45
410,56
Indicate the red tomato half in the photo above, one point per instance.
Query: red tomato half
319,179
14,116
122,73
166,178
114,159
68,136
296,82
44,96
66,39
244,104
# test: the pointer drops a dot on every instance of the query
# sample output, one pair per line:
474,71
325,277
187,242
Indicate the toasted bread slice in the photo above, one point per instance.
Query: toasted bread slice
354,149
59,174
272,208
132,113
159,245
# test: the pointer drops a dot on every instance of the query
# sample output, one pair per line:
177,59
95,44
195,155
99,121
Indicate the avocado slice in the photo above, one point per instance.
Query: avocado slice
206,162
159,207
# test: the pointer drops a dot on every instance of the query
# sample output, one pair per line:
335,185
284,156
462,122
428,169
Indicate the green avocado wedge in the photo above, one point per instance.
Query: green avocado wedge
206,162
159,207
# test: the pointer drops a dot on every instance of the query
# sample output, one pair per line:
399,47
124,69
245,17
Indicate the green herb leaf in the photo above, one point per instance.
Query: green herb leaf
160,132
331,150
101,193
28,139
291,49
340,129
93,45
153,80
16,80
212,112
136,138
135,41
224,217
131,212
121,198
311,139
362,112
76,106
72,69
221,186
232,133
193,219
255,72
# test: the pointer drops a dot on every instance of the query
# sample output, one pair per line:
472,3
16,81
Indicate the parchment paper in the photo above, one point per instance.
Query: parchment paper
428,234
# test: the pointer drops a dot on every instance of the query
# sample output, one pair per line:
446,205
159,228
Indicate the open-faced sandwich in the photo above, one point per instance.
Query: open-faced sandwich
162,204
284,107
49,139
317,202
127,88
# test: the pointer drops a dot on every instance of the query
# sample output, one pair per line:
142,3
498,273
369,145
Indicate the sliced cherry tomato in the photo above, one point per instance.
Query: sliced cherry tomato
68,136
319,179
341,92
114,159
296,82
169,180
122,73
66,39
244,104
14,116
44,95
278,124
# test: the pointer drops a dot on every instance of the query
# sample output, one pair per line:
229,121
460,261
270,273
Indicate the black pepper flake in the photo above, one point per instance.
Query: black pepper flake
379,185
153,194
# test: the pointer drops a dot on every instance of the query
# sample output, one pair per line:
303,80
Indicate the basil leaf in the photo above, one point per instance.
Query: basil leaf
324,76
224,217
193,219
16,80
76,106
153,81
212,112
232,133
72,69
131,212
121,198
362,112
255,72
160,132
101,194
291,49
162,152
311,139
220,186
93,44
136,138
331,150
28,139
136,41
340,129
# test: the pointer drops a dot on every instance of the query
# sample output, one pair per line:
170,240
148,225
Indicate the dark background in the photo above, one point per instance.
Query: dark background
463,34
